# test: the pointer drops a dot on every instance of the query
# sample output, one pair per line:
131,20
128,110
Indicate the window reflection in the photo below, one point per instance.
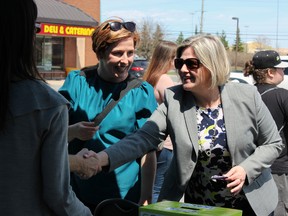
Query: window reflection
49,53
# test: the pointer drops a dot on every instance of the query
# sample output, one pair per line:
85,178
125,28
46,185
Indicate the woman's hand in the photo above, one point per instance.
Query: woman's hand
236,178
82,130
84,166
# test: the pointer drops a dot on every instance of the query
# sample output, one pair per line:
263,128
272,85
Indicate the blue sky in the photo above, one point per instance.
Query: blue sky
266,19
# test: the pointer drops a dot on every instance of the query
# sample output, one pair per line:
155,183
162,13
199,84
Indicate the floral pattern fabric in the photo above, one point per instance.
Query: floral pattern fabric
213,159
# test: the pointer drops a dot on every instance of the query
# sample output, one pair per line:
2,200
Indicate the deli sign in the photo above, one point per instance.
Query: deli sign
65,30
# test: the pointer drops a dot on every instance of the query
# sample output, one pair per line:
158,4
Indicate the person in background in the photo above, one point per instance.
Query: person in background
267,70
33,128
162,61
217,128
114,43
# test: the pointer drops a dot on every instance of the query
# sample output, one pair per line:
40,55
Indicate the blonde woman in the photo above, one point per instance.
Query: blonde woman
217,128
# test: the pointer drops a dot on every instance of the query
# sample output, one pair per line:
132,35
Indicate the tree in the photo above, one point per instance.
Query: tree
150,34
180,38
224,40
263,43
145,42
240,44
157,36
196,30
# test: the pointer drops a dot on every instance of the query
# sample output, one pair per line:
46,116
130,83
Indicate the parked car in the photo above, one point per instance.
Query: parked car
285,58
138,67
284,83
238,76
238,80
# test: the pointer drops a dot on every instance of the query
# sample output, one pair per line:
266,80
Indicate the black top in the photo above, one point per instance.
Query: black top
276,99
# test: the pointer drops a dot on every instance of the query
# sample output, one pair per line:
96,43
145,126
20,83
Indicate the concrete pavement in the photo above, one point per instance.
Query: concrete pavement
55,84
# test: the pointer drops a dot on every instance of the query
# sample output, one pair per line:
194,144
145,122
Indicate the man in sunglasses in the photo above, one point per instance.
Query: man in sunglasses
114,43
224,137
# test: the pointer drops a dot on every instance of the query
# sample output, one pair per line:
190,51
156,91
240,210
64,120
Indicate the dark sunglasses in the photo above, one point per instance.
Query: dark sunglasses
116,26
191,63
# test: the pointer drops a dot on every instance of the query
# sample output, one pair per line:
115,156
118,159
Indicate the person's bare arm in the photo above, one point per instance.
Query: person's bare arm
164,82
148,173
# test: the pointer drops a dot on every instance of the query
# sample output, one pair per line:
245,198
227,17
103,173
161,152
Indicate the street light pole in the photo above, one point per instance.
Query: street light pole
237,40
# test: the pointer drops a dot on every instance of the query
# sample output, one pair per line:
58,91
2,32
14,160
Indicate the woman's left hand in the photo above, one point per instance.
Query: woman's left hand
236,178
145,201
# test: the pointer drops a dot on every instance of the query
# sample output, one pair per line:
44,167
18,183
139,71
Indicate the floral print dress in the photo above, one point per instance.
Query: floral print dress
213,159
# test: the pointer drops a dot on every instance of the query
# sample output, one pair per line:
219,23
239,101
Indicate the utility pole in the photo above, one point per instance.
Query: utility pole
277,25
202,14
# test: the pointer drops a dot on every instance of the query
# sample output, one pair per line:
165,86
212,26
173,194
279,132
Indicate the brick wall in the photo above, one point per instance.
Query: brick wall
92,8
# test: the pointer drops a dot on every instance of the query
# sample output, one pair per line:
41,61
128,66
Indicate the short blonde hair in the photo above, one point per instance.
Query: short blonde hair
212,54
103,37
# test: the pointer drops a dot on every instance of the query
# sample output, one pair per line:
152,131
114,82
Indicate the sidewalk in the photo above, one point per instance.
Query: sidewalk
55,84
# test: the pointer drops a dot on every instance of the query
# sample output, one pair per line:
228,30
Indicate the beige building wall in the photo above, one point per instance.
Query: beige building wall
80,55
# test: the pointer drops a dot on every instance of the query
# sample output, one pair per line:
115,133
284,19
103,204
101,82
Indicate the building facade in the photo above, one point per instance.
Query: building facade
64,42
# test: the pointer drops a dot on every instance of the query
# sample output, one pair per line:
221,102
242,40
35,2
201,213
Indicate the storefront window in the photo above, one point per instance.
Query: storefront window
49,53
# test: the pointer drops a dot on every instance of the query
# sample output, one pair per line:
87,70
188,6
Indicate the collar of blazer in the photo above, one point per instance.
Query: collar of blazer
189,111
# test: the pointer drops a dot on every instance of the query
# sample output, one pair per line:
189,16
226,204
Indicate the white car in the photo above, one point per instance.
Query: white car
238,76
284,83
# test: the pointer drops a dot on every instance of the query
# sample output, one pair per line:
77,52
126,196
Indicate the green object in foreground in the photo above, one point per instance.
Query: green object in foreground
171,208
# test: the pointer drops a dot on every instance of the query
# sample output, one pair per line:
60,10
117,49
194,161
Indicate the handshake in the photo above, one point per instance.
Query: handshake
85,163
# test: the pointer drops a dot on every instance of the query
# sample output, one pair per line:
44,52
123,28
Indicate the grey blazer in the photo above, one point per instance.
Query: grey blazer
252,137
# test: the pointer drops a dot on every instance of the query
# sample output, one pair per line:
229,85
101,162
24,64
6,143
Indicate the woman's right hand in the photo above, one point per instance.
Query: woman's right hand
85,166
236,178
82,130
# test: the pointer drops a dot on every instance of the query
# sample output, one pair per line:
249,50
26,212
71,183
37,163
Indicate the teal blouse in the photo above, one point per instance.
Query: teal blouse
88,96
